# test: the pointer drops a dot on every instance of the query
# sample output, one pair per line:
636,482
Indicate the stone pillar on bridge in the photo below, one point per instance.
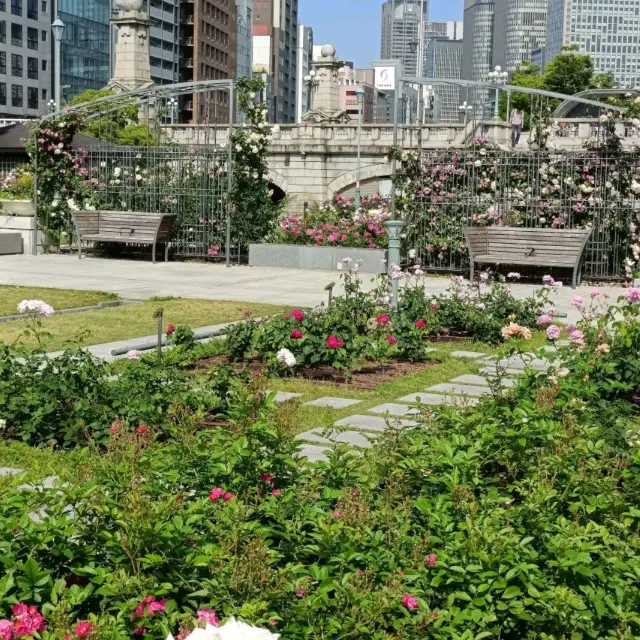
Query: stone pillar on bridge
326,94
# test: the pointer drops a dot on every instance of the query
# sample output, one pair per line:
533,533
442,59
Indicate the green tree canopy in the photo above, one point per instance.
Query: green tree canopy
118,121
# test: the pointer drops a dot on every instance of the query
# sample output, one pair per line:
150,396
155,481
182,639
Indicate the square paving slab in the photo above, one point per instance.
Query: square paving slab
460,389
392,409
313,453
333,403
423,397
480,381
467,354
491,370
373,423
353,438
283,396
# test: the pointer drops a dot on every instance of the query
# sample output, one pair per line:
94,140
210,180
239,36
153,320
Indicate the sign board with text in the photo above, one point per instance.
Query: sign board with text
385,78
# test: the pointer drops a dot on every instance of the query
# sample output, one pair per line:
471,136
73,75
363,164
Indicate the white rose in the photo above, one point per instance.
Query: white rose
57,152
60,146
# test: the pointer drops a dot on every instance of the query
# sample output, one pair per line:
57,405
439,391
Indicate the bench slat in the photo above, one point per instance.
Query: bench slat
551,262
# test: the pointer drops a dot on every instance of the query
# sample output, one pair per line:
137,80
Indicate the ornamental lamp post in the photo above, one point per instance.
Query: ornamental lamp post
360,99
58,29
497,77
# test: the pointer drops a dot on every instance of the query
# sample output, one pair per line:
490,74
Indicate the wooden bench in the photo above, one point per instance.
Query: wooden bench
535,247
127,227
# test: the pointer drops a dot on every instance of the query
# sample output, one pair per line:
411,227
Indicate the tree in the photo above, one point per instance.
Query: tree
119,122
526,75
570,72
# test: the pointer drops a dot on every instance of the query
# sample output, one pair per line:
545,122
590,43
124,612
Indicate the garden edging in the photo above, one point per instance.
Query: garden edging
292,256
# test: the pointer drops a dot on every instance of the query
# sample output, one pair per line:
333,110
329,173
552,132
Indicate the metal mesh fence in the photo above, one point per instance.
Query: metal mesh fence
482,186
190,182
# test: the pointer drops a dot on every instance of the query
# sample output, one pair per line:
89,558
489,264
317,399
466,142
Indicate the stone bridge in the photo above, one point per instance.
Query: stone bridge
310,162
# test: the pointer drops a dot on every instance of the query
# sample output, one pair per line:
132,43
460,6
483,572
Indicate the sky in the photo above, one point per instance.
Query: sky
353,26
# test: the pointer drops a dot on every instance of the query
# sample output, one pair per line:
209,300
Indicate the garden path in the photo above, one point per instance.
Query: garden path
140,280
361,431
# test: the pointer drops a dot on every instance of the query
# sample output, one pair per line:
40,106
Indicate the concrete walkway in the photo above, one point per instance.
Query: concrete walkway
141,280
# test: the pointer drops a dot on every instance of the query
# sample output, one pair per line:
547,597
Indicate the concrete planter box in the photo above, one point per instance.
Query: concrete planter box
293,256
21,208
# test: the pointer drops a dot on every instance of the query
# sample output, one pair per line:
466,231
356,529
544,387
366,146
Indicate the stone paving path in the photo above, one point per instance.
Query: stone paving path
361,431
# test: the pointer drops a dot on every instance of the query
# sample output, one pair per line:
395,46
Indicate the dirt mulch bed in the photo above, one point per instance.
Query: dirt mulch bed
369,376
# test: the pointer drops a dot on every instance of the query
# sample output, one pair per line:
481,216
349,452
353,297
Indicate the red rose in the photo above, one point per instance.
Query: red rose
298,315
171,329
392,340
141,430
334,343
421,324
296,334
383,319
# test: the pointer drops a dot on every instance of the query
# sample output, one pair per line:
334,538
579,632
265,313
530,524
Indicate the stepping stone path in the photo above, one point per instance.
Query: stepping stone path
334,403
360,430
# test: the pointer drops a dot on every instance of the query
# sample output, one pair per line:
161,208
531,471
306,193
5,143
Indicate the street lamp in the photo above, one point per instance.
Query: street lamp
465,108
173,109
58,29
497,77
360,98
51,105
312,83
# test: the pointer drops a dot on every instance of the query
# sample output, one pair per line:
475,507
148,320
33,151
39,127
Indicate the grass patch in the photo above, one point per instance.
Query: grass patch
11,296
133,321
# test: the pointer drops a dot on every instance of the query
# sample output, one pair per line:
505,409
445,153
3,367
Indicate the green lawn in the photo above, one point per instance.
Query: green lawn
132,321
10,297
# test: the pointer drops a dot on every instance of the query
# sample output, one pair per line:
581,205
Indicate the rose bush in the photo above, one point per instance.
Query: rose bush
514,519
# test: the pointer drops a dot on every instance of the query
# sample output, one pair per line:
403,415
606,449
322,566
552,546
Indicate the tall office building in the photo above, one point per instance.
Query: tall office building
403,22
303,67
163,40
607,30
208,51
244,11
477,43
85,45
519,27
444,60
25,57
275,47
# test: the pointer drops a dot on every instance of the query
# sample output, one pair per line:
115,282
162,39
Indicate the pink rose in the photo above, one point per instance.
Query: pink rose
298,315
296,334
392,340
553,332
216,494
83,629
410,602
209,616
382,319
334,343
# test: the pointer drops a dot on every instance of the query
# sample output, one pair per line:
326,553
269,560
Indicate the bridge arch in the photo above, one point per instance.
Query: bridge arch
349,178
279,184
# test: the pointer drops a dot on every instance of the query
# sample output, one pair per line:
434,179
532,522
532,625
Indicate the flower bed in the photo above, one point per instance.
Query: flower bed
515,519
360,328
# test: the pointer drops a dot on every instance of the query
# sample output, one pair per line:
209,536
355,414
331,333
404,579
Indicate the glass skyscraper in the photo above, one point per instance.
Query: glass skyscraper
607,30
85,45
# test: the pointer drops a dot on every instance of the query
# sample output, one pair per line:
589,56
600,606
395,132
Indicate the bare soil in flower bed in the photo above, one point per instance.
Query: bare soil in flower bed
442,337
368,377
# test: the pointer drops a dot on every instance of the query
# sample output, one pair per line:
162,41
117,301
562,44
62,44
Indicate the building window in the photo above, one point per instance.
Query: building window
3,62
44,35
3,7
3,93
32,97
16,35
16,95
32,38
3,31
43,6
32,9
44,65
45,95
16,7
16,65
32,68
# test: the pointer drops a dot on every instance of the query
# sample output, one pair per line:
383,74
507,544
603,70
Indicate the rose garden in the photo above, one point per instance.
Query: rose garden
460,465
